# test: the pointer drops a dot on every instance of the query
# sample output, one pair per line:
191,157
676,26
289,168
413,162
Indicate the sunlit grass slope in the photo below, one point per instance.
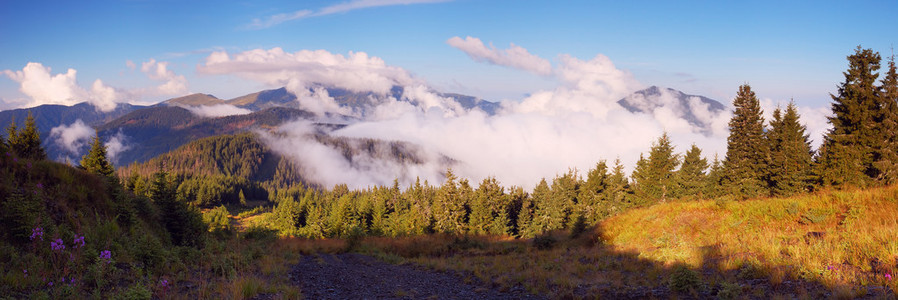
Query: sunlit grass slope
838,238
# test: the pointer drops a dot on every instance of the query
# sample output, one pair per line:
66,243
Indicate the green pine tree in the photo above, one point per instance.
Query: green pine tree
712,185
618,192
12,136
746,150
691,176
846,156
449,206
95,160
26,143
593,193
653,178
790,158
546,216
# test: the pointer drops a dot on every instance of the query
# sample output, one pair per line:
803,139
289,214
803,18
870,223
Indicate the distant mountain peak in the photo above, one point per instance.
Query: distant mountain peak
686,106
195,100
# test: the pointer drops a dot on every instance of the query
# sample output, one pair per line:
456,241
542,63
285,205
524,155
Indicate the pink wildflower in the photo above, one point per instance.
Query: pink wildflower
889,276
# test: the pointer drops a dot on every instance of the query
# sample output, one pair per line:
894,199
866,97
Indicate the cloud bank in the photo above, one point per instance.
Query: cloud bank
333,9
514,57
43,87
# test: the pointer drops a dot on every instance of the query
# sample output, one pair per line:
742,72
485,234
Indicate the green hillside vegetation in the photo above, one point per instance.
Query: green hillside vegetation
161,129
70,233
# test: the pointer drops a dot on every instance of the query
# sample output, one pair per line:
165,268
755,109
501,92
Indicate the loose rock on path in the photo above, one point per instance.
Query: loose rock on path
356,276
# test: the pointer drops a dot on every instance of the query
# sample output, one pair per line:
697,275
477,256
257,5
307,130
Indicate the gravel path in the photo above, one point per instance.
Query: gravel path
356,276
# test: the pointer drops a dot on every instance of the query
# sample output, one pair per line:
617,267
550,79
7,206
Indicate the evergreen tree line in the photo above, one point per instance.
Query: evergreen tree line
772,158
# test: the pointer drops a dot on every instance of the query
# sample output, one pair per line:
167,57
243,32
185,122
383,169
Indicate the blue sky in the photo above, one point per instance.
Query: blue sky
784,49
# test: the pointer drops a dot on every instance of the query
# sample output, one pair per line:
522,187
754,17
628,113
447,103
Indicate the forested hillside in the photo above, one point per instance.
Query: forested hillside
160,129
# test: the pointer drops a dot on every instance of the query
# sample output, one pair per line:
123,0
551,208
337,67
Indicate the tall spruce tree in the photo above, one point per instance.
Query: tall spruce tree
691,176
886,152
790,159
712,185
593,196
26,143
449,206
653,178
95,160
846,156
746,151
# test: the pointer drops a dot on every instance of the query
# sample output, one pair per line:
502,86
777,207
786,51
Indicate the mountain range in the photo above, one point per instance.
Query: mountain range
149,131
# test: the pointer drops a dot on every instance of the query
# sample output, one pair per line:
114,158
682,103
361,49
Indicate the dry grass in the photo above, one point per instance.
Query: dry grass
838,238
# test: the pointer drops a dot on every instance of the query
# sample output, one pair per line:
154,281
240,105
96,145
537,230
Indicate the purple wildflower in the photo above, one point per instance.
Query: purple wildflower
25,271
164,283
15,159
50,283
39,185
8,154
106,256
57,245
79,241
37,232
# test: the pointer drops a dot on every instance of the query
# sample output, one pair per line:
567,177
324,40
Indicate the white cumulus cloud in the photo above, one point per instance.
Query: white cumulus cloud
116,145
304,70
39,84
514,57
72,137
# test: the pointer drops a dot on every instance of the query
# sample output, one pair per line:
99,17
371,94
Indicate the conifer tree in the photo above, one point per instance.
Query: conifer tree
886,151
847,152
12,136
653,178
618,187
712,185
565,197
95,160
746,151
449,207
526,227
546,216
691,176
26,143
593,193
790,153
